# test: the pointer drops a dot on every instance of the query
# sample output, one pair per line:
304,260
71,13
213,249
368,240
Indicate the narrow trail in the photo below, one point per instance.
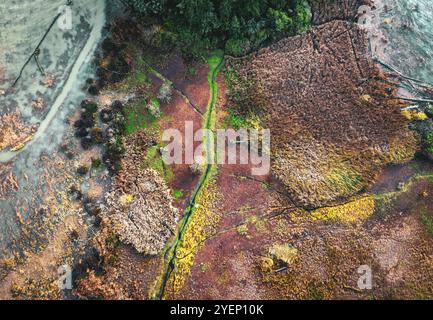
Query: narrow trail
215,62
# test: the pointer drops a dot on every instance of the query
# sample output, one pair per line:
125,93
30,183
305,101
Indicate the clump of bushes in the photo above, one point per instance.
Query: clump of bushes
114,148
85,129
112,65
113,154
427,141
92,135
96,163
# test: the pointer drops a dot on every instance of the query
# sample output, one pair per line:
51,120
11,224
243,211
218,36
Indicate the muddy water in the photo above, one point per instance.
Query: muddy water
66,56
402,36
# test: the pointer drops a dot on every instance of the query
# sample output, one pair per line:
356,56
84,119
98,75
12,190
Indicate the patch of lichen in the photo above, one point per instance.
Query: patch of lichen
243,230
259,224
199,228
256,222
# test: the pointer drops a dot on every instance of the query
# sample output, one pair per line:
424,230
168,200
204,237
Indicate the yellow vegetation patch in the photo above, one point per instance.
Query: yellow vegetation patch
243,230
401,149
8,263
22,144
357,209
126,199
365,98
343,179
266,264
414,115
18,147
198,229
284,253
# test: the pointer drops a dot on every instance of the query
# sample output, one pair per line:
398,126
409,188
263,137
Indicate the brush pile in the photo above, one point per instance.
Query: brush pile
140,203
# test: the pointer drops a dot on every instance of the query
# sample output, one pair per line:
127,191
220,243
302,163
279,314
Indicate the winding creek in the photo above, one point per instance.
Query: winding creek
393,42
170,255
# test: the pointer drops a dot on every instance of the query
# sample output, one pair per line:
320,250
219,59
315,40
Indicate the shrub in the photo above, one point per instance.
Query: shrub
236,47
177,194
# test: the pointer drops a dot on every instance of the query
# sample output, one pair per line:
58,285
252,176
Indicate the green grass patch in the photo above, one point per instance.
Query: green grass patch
155,103
235,120
427,221
153,159
140,77
215,59
347,181
350,181
415,167
177,194
138,117
214,62
136,79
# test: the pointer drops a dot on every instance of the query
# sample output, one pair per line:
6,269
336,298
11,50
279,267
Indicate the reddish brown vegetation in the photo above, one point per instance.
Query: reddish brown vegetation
332,121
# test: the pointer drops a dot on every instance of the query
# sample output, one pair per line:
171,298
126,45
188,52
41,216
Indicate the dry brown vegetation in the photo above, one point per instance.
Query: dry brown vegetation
8,180
325,10
333,121
140,203
12,130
